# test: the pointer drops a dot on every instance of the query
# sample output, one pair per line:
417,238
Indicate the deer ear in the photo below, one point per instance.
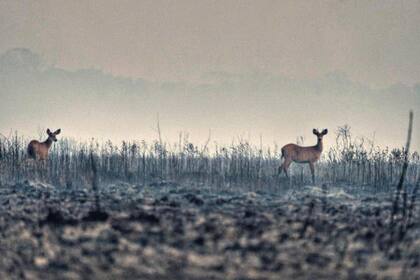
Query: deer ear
325,131
48,131
57,131
314,131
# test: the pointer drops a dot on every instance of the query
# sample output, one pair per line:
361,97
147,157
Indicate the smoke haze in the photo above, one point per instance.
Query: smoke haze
237,68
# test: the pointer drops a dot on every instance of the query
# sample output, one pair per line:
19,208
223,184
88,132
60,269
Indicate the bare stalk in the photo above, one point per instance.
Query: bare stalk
395,206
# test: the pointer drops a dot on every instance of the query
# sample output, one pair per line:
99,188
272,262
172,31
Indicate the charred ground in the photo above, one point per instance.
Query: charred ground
173,231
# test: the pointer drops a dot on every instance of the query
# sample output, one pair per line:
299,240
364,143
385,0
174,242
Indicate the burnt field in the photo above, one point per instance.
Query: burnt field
180,211
170,231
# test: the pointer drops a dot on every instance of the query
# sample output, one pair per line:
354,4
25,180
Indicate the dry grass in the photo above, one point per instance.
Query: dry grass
354,161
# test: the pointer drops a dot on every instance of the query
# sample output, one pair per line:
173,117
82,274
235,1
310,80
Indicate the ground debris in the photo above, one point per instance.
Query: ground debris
192,233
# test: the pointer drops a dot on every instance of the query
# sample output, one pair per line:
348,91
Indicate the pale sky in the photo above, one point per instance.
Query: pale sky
374,42
235,67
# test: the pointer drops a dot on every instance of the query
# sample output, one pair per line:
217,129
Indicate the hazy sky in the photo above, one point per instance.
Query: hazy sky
375,42
373,45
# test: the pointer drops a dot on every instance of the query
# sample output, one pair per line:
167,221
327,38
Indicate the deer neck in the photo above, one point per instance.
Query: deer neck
48,143
319,146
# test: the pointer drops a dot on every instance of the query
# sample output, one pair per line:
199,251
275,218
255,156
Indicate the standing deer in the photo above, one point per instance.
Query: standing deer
39,150
299,154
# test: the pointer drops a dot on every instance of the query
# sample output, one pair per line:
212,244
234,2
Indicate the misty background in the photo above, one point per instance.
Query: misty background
246,69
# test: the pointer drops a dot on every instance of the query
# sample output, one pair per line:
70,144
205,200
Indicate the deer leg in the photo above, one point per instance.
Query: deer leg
312,167
286,165
280,169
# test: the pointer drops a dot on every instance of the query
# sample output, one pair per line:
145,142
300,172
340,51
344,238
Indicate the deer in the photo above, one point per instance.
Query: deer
39,150
295,153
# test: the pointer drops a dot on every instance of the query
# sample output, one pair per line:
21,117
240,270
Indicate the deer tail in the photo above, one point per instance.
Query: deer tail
31,151
280,168
282,153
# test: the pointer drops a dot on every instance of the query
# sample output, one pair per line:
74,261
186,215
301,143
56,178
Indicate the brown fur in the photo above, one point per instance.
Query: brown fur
295,153
39,150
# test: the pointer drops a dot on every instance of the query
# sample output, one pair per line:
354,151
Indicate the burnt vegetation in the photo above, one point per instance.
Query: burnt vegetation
181,211
354,161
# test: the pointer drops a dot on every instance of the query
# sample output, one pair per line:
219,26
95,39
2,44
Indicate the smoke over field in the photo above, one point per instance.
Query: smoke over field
90,103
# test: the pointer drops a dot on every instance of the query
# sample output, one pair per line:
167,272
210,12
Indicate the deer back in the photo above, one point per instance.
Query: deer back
38,150
301,154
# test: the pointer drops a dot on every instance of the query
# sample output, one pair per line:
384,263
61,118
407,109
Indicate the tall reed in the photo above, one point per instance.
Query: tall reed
355,161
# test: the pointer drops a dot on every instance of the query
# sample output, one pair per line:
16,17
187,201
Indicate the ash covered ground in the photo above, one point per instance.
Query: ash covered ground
185,231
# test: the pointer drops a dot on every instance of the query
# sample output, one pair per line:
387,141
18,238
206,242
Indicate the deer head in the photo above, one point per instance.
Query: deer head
52,135
318,134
